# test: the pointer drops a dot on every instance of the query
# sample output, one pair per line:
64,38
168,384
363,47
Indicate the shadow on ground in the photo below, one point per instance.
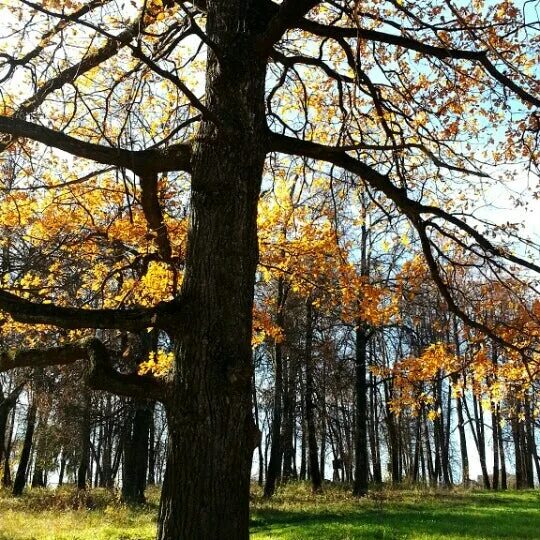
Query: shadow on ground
478,517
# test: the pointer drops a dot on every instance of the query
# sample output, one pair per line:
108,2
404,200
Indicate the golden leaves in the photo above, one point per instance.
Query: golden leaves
159,363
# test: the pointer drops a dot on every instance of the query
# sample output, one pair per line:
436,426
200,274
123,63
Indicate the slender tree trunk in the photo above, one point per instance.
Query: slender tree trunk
374,432
276,451
7,412
82,471
437,438
6,480
62,471
393,438
477,429
530,444
4,415
447,469
152,448
479,419
465,473
303,446
534,449
136,455
417,450
500,442
360,485
22,470
289,401
518,452
313,452
495,429
257,421
106,479
212,434
39,475
427,444
323,422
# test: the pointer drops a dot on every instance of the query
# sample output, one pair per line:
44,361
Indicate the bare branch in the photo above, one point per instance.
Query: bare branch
137,53
441,53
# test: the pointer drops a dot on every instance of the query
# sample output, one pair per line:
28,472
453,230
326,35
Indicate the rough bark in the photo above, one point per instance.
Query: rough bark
212,434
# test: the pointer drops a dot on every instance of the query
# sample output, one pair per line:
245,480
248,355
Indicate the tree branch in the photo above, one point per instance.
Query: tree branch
411,208
287,16
443,288
25,311
176,157
10,400
154,215
337,32
101,374
137,53
70,74
289,61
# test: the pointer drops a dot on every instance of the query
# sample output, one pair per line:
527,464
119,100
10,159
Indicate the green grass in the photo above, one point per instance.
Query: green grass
65,515
399,515
294,513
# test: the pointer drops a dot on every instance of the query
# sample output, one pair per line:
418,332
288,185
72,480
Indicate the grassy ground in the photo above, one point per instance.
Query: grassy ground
293,514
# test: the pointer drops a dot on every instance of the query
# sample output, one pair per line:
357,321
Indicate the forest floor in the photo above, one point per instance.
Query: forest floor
294,513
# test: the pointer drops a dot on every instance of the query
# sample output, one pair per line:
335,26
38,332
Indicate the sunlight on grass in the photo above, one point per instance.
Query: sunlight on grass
294,513
414,514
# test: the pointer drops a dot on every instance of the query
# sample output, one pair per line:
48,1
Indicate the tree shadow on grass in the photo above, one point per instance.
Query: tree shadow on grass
497,519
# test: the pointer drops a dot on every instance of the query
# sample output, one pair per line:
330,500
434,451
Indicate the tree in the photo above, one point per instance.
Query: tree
383,91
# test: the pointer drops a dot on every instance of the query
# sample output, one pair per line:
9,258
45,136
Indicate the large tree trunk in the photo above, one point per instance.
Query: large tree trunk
212,434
